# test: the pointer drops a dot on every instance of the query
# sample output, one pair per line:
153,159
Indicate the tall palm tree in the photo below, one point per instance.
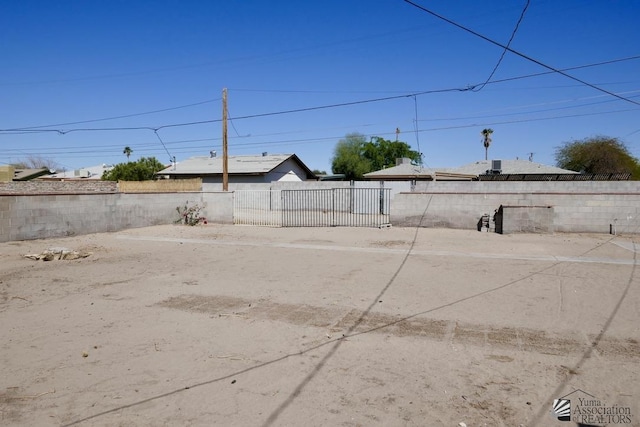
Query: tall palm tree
127,151
486,134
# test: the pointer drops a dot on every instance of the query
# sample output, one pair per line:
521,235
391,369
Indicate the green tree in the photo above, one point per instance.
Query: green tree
354,156
319,172
127,151
348,158
142,170
598,154
486,140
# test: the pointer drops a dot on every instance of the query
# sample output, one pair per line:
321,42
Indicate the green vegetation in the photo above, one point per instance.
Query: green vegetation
190,215
127,152
354,156
486,141
599,154
142,170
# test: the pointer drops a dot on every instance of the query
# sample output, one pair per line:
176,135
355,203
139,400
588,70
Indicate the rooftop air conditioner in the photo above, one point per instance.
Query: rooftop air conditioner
496,166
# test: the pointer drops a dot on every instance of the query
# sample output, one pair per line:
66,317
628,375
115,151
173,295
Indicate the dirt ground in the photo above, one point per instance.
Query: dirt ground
224,325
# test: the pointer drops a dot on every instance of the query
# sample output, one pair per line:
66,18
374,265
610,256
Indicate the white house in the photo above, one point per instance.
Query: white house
263,168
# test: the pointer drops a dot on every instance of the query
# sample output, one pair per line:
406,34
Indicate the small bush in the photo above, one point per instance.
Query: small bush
190,215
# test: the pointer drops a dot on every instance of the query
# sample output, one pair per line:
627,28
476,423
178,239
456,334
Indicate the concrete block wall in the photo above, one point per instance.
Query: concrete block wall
577,206
524,219
45,216
58,187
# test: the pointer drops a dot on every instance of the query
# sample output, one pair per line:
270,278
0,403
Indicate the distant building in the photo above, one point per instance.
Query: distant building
88,173
525,170
263,168
10,173
487,170
404,170
505,167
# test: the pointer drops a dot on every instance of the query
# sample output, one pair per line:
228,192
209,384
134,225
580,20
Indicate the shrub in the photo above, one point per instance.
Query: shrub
190,215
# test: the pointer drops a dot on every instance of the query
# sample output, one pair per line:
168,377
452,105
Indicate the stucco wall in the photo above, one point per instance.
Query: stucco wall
26,217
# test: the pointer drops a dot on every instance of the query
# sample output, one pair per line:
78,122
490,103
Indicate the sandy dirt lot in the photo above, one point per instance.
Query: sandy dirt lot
223,325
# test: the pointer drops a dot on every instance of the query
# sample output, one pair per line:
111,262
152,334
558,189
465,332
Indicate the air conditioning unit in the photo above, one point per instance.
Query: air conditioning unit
82,173
496,166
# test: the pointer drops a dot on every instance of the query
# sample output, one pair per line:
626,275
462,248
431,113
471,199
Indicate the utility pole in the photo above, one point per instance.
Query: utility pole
225,154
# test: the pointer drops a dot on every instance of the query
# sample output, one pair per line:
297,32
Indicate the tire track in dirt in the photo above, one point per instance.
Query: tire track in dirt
341,319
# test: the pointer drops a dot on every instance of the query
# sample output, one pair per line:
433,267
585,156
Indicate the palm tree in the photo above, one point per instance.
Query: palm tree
127,151
486,134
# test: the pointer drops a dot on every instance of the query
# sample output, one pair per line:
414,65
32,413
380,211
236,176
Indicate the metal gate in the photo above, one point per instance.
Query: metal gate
349,207
257,207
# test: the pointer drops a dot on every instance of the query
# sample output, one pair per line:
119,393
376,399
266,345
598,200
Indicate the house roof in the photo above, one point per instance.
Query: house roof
408,171
237,165
91,172
508,167
28,174
405,170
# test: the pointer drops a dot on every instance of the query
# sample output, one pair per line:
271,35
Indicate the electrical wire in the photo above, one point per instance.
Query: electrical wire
171,158
416,126
529,112
522,55
504,51
123,116
318,140
35,129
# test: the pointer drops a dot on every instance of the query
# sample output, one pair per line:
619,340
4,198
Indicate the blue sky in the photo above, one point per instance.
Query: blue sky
73,65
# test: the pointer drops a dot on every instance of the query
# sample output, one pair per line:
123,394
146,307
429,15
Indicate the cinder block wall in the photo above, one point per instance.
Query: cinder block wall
27,217
577,206
524,219
58,187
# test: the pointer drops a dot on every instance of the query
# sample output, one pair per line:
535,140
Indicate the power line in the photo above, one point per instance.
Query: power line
333,138
416,126
30,130
528,112
90,153
612,61
528,58
123,116
298,110
165,147
504,51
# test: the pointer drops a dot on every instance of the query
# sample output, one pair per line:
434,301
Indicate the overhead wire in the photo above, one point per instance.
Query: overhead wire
504,51
333,138
171,158
37,129
123,116
522,55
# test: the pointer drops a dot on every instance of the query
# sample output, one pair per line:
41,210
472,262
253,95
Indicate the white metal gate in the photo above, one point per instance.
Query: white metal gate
350,207
257,207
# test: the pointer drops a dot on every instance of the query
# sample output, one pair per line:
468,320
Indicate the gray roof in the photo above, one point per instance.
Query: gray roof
91,172
508,167
237,165
405,169
28,174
